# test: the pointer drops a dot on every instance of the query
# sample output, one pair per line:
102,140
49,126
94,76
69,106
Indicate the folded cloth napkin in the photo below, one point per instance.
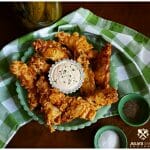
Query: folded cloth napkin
132,60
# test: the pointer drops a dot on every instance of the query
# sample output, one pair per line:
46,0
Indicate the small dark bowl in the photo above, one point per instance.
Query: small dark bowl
144,108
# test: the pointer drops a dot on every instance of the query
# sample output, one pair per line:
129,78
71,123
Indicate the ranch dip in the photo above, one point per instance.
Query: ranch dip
66,75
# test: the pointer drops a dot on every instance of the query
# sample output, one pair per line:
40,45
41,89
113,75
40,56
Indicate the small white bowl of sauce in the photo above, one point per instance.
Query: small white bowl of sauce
66,75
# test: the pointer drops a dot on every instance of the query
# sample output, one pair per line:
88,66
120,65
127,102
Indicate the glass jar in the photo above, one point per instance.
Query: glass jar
38,14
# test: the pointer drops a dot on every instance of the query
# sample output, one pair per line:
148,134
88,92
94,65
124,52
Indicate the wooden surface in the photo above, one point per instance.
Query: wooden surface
134,15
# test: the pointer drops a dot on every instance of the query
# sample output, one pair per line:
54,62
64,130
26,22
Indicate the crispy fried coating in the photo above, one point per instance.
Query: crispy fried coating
52,95
52,115
55,54
53,104
24,73
76,43
33,98
40,45
78,108
88,86
58,98
42,85
38,64
59,108
103,97
50,50
71,107
102,67
27,72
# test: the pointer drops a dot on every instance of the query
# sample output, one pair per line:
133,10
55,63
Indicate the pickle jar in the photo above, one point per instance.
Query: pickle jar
35,15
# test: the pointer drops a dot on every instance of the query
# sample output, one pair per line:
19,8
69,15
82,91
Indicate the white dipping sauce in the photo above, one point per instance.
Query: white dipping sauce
66,75
109,139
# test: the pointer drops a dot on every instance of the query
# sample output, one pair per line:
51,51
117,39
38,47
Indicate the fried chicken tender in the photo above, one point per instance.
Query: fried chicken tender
27,75
38,64
52,103
42,85
102,67
27,72
33,98
76,43
50,50
59,99
88,86
52,115
78,108
24,73
103,97
49,94
40,45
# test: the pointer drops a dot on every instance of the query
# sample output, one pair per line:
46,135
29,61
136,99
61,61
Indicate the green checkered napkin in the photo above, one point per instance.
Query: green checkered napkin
132,59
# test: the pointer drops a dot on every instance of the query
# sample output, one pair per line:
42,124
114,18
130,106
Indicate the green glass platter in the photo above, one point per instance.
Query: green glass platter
77,123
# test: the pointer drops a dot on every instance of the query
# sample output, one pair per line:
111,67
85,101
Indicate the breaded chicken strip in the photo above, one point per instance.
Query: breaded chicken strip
76,43
78,108
50,50
103,97
25,74
69,108
43,86
33,98
102,67
88,85
52,115
38,64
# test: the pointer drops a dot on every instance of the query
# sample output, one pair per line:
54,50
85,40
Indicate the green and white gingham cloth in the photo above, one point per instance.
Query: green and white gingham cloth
132,60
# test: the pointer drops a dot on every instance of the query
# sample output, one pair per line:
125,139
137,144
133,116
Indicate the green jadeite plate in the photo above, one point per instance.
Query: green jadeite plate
77,123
